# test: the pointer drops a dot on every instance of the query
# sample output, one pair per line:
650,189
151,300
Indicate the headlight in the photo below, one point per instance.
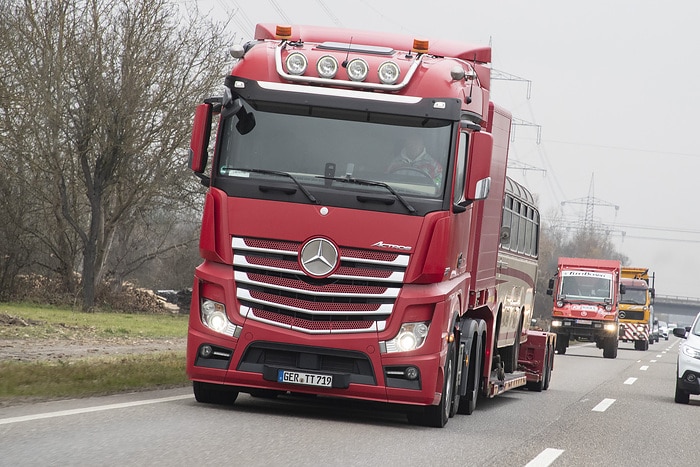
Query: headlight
640,328
214,317
327,67
560,304
357,69
610,327
691,352
556,323
608,307
411,336
296,63
388,72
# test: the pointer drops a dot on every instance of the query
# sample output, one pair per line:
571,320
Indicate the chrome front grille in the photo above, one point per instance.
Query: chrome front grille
272,287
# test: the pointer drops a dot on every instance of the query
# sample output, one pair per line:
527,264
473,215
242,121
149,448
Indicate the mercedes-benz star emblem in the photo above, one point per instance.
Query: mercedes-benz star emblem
319,257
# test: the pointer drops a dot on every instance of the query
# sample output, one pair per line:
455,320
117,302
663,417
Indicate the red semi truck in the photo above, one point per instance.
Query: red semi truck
586,296
360,238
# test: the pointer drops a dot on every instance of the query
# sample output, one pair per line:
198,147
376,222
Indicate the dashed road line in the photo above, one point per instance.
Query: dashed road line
603,405
630,380
545,458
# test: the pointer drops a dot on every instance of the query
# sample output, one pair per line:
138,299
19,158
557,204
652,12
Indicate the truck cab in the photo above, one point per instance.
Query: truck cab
586,294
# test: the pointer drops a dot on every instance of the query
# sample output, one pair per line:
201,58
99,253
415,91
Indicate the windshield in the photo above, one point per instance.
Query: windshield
315,145
591,287
634,296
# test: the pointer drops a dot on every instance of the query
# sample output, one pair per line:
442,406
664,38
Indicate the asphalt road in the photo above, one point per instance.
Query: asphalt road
597,412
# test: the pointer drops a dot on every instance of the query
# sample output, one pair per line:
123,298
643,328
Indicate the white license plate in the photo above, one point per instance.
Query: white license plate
307,379
584,321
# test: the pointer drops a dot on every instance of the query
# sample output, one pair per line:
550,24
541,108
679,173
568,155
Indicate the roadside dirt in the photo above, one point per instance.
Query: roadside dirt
63,350
73,342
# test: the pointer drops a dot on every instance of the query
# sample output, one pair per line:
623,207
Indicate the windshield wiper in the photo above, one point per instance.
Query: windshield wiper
360,181
308,194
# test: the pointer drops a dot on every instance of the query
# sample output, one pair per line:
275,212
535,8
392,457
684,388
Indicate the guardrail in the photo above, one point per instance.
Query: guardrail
677,299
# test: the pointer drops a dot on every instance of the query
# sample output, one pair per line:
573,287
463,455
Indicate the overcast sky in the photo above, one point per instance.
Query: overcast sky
614,91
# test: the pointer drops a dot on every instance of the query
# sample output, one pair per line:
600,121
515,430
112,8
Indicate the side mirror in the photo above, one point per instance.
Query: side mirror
551,284
479,166
623,289
201,131
679,332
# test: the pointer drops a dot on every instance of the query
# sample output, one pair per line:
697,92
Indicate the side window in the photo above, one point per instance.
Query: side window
505,226
514,227
460,174
536,235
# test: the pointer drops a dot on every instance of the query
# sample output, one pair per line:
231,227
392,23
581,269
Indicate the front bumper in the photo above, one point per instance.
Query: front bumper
358,369
586,328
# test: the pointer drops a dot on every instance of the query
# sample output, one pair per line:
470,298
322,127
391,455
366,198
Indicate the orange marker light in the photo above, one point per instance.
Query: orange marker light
420,46
283,32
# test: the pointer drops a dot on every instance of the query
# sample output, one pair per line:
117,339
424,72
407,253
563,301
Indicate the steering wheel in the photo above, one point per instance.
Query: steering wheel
414,169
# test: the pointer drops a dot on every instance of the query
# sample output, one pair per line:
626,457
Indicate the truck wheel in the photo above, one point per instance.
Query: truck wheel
437,415
467,404
544,382
682,397
208,393
610,347
562,344
550,365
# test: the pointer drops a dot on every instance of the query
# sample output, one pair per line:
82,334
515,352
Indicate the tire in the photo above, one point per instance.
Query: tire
562,344
682,397
467,404
610,347
550,365
436,416
539,386
208,393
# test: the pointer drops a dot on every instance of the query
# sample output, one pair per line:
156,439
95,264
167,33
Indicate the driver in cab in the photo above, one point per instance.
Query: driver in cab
414,160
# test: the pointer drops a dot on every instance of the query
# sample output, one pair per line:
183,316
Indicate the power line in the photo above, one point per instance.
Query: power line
280,11
330,14
630,149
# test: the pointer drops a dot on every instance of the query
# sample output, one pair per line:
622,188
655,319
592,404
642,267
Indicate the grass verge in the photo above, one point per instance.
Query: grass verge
91,377
87,376
43,322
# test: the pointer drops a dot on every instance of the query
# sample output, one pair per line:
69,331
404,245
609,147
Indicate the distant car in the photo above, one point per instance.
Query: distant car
663,329
688,366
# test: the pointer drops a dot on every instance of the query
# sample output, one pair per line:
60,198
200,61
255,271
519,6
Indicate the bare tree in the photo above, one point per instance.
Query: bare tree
100,105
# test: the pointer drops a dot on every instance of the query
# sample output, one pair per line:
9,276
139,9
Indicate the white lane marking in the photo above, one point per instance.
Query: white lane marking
630,380
652,361
545,458
603,405
644,367
658,356
99,408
